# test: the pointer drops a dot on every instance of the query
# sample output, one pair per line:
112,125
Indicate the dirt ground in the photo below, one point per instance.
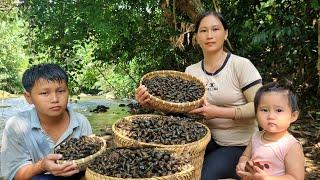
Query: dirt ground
307,130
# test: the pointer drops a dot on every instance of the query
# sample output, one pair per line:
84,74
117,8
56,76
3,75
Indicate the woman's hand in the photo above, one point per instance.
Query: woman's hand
49,164
208,111
142,96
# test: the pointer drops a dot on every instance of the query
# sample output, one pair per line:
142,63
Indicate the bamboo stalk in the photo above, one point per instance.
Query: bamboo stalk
174,14
318,64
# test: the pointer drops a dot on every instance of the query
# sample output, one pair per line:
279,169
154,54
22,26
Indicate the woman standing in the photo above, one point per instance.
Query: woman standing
231,82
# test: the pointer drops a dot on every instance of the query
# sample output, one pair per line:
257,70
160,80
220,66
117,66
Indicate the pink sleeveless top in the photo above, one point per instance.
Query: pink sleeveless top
271,156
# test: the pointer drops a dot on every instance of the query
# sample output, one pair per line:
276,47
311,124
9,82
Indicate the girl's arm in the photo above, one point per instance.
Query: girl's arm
246,155
295,161
244,158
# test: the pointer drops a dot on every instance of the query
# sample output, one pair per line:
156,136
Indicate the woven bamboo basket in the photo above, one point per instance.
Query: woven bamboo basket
83,162
194,151
187,173
167,106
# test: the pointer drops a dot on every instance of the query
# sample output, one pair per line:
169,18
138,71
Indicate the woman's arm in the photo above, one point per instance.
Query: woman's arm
210,111
246,111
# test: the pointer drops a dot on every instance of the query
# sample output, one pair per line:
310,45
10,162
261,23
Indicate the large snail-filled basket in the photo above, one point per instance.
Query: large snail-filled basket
187,139
81,151
173,91
139,164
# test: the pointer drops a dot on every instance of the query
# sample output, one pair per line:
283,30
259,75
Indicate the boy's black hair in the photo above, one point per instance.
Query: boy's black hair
207,13
50,72
282,85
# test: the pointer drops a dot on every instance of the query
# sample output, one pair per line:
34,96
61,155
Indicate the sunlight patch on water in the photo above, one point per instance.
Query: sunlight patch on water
98,121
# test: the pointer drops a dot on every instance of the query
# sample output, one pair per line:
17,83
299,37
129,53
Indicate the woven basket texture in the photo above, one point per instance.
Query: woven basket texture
193,151
187,173
167,106
83,162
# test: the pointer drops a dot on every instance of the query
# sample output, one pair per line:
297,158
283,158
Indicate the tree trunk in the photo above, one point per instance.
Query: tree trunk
318,65
190,7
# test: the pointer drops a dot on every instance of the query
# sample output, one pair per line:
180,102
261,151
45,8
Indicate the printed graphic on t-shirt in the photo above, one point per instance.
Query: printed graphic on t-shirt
264,165
211,86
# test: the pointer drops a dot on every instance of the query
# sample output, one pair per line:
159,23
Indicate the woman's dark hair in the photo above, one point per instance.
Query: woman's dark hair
208,13
50,72
282,85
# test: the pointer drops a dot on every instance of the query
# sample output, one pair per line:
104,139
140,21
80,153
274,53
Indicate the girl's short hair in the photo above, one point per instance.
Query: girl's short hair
283,85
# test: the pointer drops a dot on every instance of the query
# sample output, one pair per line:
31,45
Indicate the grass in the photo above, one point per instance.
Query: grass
99,121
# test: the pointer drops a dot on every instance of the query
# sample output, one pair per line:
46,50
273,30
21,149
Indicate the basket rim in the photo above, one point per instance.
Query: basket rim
179,73
88,158
186,169
115,130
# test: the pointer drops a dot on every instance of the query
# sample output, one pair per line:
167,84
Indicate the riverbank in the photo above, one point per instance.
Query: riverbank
84,105
4,95
306,130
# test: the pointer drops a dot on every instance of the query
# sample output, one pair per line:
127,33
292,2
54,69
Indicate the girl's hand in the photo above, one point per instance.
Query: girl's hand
240,166
259,173
208,111
240,169
142,95
49,164
245,175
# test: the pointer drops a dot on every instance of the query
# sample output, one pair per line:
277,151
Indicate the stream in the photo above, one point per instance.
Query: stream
98,121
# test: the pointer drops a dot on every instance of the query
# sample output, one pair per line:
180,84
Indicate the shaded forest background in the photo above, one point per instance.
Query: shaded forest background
107,45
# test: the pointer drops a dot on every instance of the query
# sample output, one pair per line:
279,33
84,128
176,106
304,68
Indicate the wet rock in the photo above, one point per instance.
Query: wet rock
100,109
122,105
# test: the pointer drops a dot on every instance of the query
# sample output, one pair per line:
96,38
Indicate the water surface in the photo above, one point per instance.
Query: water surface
98,121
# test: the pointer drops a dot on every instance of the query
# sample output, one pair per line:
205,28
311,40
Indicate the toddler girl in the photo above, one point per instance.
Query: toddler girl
273,153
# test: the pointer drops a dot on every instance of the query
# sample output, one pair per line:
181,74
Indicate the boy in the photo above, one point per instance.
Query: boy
30,137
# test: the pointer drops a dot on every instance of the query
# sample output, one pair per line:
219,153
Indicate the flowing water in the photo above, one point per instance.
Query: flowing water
98,121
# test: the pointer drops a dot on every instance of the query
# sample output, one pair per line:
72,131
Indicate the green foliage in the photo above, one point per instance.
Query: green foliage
122,31
280,38
109,44
13,55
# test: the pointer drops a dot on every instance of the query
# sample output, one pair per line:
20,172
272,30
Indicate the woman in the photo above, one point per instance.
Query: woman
231,82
